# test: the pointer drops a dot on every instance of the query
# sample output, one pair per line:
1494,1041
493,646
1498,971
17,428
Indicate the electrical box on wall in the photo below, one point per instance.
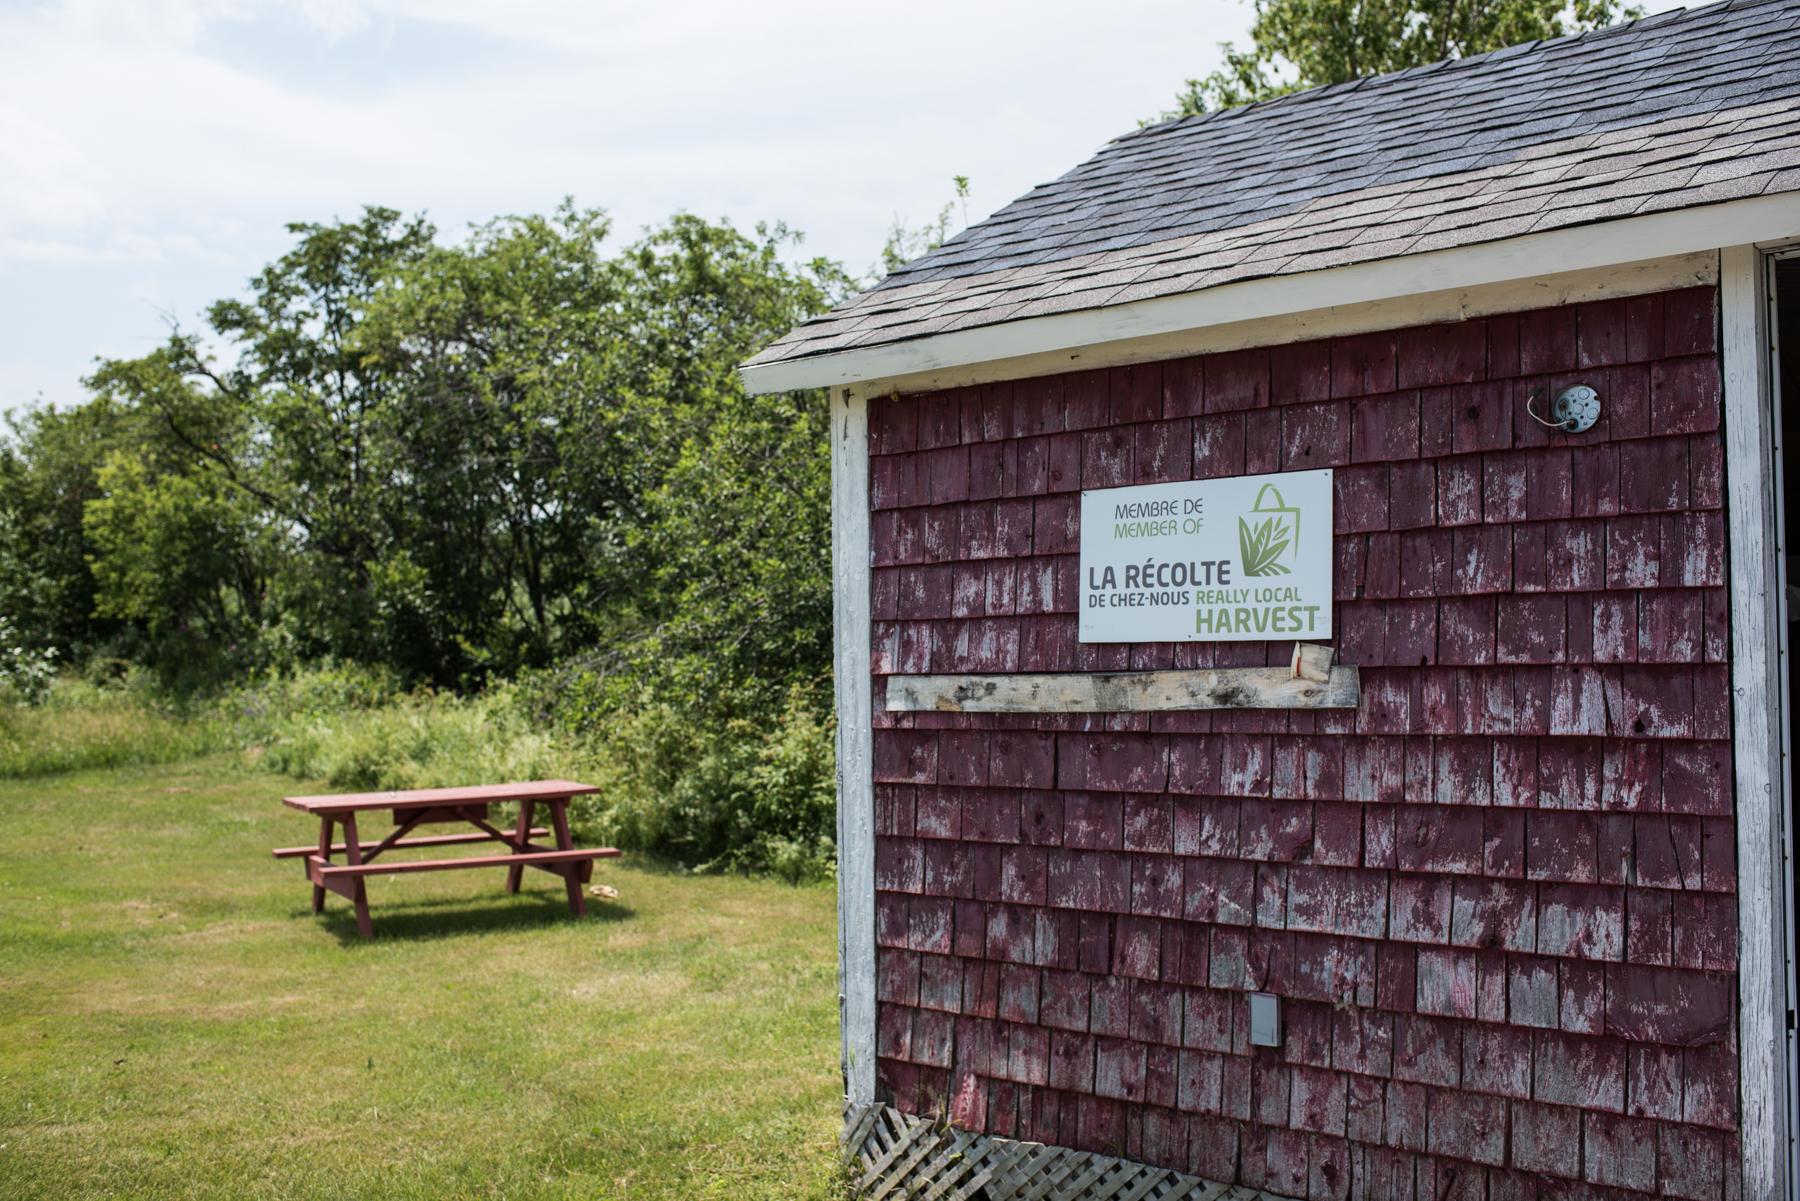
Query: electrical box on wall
1265,1019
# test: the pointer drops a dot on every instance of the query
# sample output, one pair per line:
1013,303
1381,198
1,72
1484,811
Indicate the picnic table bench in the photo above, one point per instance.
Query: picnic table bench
429,806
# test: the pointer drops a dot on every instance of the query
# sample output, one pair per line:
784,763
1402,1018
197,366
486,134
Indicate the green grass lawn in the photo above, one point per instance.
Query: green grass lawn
175,1022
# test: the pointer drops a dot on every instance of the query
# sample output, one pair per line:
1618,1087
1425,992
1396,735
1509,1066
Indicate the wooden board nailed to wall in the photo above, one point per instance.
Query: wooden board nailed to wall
1311,682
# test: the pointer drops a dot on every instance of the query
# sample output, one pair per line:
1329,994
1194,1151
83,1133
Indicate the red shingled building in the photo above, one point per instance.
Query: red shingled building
1525,905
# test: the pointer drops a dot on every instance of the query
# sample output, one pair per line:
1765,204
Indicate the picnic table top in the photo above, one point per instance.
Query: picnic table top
421,798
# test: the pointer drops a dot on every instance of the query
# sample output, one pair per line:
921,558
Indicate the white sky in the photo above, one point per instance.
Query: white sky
151,150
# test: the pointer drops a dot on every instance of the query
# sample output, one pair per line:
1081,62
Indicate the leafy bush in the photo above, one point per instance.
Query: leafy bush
25,672
730,796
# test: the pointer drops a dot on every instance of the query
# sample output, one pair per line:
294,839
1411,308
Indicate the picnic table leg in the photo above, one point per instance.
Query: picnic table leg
353,851
516,875
559,818
325,854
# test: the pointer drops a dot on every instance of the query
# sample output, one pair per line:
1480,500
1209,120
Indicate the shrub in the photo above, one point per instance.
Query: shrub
25,672
720,796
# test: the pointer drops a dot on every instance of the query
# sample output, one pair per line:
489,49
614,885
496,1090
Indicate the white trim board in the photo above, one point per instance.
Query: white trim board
1530,257
1427,308
1754,578
855,742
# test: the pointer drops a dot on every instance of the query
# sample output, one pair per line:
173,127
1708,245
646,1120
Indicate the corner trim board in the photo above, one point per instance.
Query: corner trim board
855,742
1754,579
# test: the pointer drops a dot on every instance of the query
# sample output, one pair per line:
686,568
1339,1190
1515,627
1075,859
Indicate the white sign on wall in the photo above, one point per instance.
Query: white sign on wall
1229,560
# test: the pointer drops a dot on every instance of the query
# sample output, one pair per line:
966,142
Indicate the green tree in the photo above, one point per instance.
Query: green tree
186,556
458,460
1300,44
49,473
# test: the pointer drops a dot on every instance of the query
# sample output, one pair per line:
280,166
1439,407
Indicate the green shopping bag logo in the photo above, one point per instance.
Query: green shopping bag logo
1262,545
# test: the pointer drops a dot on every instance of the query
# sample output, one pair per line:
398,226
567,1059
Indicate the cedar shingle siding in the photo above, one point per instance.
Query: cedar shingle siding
1498,898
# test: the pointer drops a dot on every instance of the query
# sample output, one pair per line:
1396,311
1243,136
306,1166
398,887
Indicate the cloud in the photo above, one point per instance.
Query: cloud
173,138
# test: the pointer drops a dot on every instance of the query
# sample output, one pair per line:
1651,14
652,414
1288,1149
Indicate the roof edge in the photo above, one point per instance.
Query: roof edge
1422,308
1610,243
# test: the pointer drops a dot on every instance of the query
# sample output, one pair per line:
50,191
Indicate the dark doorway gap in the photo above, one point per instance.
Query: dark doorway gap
1786,359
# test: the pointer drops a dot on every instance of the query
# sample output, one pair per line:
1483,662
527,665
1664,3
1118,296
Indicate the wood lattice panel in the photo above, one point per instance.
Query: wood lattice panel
897,1155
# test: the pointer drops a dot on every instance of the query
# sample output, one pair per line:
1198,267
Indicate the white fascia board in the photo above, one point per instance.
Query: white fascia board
1586,247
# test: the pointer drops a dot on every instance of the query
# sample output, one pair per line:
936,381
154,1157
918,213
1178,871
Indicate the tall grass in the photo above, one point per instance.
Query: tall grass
422,740
81,727
709,796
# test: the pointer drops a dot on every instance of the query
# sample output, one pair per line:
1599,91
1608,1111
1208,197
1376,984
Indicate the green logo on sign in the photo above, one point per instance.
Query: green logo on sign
1263,544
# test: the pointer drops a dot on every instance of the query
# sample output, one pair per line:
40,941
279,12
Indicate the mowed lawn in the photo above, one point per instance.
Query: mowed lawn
175,1022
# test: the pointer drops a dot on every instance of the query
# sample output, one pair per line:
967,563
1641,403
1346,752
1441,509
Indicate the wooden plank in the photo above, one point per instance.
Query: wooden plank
534,858
894,1165
927,1162
1054,1175
889,1156
325,849
435,840
1113,1183
1312,662
1140,1189
559,821
881,1141
1007,1157
1752,477
1095,1169
400,830
343,888
1017,1178
438,815
1125,692
890,1130
359,896
855,1134
355,802
944,1171
516,875
855,742
921,1148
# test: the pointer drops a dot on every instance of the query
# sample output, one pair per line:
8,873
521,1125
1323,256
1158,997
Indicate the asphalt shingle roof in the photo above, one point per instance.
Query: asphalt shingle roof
1685,108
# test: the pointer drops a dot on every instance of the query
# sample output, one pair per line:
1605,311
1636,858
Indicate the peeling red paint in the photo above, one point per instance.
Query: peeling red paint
1498,899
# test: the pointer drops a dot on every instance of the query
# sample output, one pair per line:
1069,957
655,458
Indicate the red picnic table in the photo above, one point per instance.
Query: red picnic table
428,806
